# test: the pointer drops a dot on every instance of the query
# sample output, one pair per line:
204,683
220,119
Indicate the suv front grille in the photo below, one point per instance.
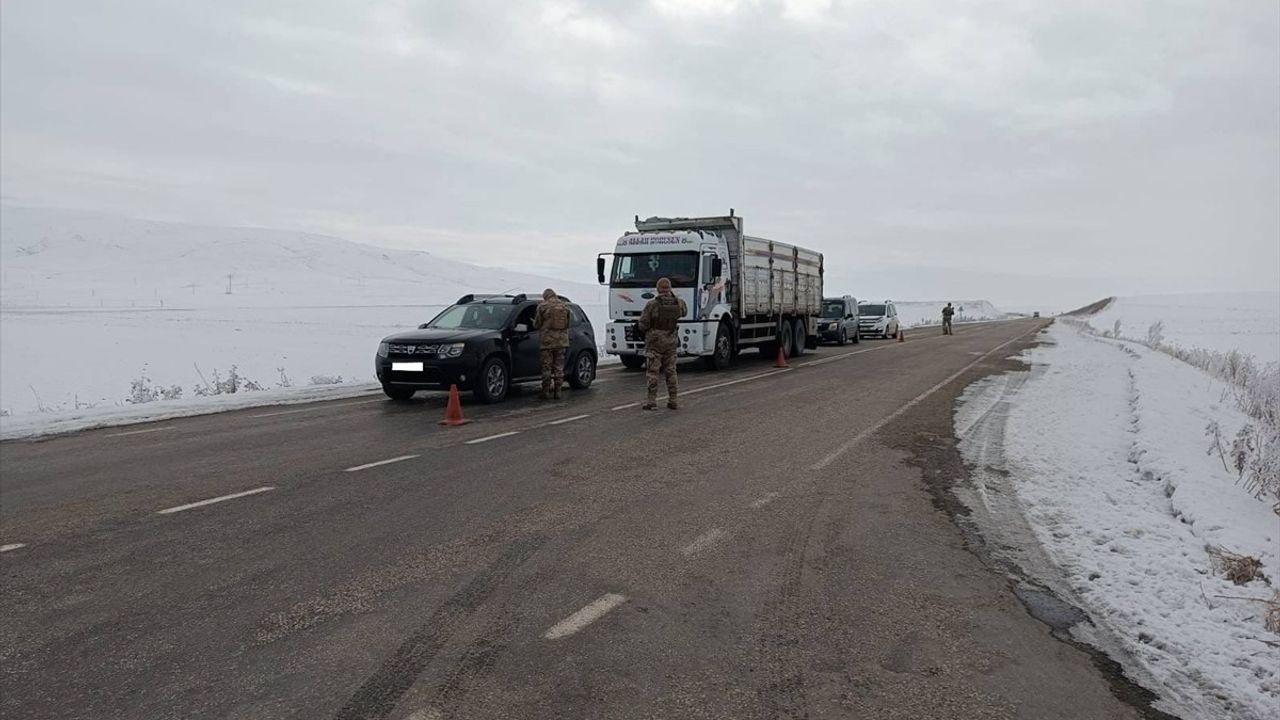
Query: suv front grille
404,349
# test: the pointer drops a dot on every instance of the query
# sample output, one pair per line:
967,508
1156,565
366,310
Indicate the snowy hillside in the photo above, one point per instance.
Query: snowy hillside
913,313
91,304
1248,322
57,258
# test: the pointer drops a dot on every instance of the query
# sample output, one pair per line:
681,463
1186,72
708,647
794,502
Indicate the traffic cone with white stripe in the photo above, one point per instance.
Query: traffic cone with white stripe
453,413
902,336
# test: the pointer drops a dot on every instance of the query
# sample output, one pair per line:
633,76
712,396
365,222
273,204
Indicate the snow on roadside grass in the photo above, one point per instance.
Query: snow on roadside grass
1105,451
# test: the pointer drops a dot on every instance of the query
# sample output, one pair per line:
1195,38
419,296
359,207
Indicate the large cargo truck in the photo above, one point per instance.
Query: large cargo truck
742,291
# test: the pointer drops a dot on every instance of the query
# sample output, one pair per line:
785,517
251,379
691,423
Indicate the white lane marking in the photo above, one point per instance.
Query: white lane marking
211,501
704,541
584,617
849,444
764,500
562,421
12,546
140,432
314,409
366,466
704,388
623,407
477,441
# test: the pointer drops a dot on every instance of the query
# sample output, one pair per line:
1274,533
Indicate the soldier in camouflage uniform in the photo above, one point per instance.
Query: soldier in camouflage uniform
947,312
553,320
658,323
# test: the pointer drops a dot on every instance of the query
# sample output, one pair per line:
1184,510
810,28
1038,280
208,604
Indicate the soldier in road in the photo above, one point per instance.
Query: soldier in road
658,324
552,318
947,312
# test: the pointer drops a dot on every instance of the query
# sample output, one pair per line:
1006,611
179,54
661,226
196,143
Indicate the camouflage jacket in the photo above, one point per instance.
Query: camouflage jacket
658,321
548,312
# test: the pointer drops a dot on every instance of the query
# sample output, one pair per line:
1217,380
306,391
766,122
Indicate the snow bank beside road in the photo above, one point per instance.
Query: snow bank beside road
1103,447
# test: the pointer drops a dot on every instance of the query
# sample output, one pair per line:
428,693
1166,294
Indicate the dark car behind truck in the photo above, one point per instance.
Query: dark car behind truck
482,343
839,320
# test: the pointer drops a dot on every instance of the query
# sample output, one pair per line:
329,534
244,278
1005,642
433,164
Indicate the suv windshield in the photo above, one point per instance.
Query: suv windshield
872,310
476,316
833,310
643,270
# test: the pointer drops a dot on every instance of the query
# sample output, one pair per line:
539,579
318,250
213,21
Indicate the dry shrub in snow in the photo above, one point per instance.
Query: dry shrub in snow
141,390
233,383
1239,569
326,380
1272,620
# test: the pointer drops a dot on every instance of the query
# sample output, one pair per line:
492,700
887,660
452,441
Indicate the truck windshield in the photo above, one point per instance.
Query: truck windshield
644,269
871,310
476,316
833,310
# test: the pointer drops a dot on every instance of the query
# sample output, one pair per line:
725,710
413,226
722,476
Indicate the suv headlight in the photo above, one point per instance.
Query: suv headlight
382,349
451,351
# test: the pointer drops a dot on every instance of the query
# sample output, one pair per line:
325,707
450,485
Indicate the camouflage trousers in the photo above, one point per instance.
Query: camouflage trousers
552,369
946,326
660,360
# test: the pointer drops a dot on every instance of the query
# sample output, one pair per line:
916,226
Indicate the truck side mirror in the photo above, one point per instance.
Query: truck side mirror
717,267
600,270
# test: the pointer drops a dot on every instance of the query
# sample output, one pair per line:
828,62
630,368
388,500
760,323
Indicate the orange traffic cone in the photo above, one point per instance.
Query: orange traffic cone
453,414
781,362
902,336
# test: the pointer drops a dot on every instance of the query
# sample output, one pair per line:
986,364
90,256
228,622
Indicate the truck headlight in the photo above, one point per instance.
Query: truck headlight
382,349
452,351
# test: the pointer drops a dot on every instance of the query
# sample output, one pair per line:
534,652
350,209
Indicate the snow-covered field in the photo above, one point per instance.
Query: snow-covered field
912,313
1090,474
1248,322
91,303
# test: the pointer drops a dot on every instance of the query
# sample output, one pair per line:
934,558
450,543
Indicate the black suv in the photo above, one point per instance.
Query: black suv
483,343
839,321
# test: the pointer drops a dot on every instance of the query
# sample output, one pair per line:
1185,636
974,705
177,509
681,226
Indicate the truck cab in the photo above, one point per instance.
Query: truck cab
695,262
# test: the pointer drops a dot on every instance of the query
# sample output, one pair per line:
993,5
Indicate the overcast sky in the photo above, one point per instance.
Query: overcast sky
1025,152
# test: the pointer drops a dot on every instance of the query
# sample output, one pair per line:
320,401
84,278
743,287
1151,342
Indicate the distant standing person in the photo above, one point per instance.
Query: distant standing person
552,318
947,312
659,323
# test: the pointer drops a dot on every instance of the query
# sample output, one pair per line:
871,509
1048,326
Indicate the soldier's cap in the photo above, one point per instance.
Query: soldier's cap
664,284
548,294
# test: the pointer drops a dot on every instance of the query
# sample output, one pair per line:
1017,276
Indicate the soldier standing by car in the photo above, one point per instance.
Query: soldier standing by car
658,324
947,312
552,319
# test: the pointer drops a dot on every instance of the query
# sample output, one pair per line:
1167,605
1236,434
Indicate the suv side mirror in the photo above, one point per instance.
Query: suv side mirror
423,326
600,270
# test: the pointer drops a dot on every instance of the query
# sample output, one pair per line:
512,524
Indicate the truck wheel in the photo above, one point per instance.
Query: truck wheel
844,338
398,393
723,355
798,338
632,362
583,371
787,339
494,381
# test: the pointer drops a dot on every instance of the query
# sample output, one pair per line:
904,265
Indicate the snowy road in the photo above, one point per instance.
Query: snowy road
773,549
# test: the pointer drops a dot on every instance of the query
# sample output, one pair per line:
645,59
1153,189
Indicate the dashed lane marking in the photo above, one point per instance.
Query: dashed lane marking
764,500
143,432
366,466
584,617
477,441
704,541
12,546
562,421
623,407
210,501
727,383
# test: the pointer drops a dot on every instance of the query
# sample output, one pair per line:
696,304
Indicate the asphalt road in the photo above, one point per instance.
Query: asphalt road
774,549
